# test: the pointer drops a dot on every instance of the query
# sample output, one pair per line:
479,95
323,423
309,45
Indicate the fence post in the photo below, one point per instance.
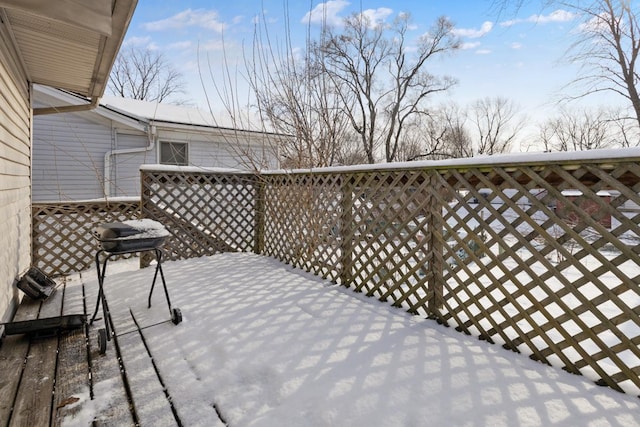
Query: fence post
346,231
145,195
258,242
435,262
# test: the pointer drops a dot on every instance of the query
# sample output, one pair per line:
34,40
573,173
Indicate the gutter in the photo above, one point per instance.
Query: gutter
151,134
67,108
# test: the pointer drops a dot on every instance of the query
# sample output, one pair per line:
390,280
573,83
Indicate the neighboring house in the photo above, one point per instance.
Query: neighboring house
588,206
65,44
98,153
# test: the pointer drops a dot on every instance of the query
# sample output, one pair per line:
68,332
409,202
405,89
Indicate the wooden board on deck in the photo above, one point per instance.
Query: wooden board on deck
72,375
112,404
13,353
33,401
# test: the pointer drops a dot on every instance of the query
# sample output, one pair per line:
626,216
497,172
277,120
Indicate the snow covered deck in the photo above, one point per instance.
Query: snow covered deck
262,344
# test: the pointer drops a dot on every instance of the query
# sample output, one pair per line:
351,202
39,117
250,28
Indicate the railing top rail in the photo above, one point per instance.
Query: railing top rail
501,160
102,201
565,158
193,169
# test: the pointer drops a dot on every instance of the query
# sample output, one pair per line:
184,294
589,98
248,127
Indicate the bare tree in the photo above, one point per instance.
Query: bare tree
584,129
450,137
443,134
382,83
349,152
295,97
607,47
145,74
625,128
496,124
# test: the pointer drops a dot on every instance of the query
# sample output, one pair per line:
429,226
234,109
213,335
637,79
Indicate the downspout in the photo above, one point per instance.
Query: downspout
151,136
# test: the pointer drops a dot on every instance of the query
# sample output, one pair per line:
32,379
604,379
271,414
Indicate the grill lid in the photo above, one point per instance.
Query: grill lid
130,236
132,229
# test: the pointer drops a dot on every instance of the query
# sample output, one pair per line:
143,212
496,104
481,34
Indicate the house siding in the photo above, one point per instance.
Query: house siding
69,159
125,176
15,183
217,149
70,148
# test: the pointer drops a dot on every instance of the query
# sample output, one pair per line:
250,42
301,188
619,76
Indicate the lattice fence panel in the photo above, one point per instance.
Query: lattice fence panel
392,241
206,213
62,241
544,260
541,258
302,219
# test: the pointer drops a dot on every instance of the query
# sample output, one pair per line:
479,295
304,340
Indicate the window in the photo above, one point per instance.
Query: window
174,153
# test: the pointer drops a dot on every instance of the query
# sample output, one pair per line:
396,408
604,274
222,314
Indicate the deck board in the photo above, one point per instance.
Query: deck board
13,355
63,378
72,375
151,405
113,408
34,398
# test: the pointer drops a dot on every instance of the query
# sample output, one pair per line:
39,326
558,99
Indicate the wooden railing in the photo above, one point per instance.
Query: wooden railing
541,257
538,254
61,239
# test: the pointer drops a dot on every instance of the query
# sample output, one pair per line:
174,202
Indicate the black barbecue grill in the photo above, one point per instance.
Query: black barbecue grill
118,238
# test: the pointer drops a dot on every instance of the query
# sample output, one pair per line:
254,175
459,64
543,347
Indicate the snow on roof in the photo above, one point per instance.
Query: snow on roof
160,112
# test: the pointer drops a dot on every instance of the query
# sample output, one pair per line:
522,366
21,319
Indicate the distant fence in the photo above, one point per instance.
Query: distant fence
541,257
61,232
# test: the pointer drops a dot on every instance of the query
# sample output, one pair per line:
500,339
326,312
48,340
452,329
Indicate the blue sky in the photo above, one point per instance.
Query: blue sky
518,57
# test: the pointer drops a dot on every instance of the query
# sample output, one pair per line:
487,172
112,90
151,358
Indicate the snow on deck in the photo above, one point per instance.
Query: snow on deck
262,344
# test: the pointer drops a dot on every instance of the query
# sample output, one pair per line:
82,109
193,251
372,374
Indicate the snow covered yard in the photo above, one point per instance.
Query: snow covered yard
263,344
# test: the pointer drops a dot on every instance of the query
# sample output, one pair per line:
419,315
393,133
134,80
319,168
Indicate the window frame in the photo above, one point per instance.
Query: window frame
163,143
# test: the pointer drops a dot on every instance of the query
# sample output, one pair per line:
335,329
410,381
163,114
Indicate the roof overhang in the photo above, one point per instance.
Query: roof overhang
62,101
68,44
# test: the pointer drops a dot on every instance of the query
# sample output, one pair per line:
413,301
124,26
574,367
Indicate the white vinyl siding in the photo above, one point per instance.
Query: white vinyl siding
125,176
215,149
15,183
70,149
69,158
68,163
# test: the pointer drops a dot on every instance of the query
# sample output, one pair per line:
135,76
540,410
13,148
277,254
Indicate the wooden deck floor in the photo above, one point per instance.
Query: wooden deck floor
47,380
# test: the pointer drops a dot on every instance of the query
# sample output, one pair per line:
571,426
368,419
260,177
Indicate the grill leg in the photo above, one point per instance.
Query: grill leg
101,296
164,283
101,273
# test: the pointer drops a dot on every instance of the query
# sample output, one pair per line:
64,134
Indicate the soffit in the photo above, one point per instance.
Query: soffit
70,49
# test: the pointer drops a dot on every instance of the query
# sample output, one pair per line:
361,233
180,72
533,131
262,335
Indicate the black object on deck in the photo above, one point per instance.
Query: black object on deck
45,326
118,238
36,284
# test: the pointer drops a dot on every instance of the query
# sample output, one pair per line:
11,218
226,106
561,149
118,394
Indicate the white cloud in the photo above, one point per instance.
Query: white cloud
596,24
188,18
559,15
468,46
474,33
212,45
515,45
180,45
378,15
556,16
326,13
483,51
137,41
